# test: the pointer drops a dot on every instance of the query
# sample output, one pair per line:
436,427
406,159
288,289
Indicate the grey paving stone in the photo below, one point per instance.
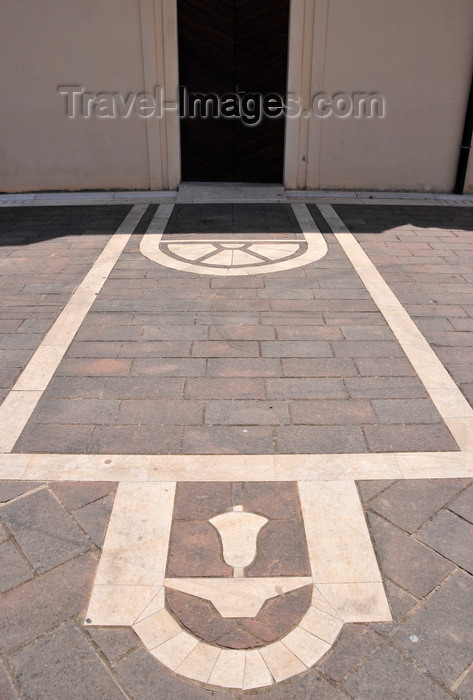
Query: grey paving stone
75,494
165,412
465,689
333,412
308,439
75,388
65,438
385,388
410,503
94,518
399,600
463,505
7,689
44,531
134,439
444,628
367,333
144,388
407,562
75,411
410,438
384,367
310,685
145,679
242,367
389,676
168,367
63,665
305,388
220,439
370,489
13,568
406,411
450,536
114,642
225,388
246,413
12,489
354,644
293,348
38,605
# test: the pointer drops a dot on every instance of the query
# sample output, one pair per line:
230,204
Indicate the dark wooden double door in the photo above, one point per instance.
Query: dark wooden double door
227,46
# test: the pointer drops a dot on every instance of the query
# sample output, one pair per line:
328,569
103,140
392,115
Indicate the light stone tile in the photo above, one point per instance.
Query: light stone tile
337,467
13,466
257,674
432,465
229,669
118,605
64,467
319,602
223,258
338,540
307,647
136,547
237,597
15,412
157,629
462,431
40,369
240,257
281,662
157,604
358,602
238,532
432,373
175,650
451,403
212,468
321,625
200,663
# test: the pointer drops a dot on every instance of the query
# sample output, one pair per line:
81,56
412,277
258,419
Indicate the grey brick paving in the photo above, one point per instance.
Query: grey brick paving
153,375
43,530
62,665
161,348
390,676
450,536
37,286
444,629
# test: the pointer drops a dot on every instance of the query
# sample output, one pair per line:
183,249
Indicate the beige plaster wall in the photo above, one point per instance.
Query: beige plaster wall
93,43
417,53
419,56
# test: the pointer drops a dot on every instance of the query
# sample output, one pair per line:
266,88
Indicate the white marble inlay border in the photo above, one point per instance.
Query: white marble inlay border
21,401
444,393
297,467
152,247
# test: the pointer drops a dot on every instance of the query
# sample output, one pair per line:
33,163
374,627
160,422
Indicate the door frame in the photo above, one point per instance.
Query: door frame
307,30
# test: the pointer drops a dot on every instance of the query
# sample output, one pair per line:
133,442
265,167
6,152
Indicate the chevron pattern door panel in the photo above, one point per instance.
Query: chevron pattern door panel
226,47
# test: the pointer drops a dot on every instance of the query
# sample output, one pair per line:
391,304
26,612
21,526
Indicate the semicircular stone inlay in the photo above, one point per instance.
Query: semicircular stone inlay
278,616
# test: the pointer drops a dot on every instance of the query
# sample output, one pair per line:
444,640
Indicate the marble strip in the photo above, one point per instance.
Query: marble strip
306,467
443,391
30,385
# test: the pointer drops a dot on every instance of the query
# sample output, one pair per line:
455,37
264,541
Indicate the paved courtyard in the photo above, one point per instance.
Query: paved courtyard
236,446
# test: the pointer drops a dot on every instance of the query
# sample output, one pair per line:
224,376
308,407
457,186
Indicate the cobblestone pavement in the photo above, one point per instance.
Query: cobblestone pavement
296,362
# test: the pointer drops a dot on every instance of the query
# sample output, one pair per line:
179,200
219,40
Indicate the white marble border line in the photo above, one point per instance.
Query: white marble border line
21,401
445,394
316,247
304,467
